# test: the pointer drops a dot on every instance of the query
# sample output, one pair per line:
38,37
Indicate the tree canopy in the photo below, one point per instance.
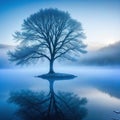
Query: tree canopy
51,34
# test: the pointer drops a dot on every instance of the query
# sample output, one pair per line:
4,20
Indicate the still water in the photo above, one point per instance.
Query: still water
97,90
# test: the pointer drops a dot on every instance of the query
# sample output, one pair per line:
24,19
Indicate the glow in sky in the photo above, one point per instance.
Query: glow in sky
100,18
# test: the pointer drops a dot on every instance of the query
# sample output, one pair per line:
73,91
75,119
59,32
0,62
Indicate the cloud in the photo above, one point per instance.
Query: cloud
109,55
3,46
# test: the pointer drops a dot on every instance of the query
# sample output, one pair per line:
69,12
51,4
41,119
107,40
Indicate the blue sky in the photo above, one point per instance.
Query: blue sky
100,18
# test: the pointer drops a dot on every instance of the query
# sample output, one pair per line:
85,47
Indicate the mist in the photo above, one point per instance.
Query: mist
107,56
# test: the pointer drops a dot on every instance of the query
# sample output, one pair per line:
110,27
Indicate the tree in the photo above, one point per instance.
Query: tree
51,34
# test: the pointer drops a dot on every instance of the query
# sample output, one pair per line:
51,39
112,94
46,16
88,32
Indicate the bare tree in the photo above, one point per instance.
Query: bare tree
49,34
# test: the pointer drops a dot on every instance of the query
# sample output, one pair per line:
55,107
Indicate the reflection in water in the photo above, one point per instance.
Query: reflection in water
52,106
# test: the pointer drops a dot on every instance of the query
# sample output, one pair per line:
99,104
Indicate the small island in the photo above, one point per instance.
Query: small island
57,76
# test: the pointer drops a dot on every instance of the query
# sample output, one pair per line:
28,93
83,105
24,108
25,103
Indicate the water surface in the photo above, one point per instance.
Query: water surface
100,86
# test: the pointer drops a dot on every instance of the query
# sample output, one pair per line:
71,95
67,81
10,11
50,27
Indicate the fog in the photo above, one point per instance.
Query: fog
109,55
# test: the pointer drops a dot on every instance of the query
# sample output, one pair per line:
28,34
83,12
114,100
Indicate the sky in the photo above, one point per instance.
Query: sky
100,18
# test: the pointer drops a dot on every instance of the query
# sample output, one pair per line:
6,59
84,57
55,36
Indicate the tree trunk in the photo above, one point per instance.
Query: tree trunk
51,70
51,83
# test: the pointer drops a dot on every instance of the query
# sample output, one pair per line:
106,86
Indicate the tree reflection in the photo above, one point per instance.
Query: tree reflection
52,106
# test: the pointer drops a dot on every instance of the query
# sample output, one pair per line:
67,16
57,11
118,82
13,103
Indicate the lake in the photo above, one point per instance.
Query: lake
99,85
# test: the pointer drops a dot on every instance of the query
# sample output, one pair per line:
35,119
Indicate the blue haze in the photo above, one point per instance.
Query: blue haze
100,85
